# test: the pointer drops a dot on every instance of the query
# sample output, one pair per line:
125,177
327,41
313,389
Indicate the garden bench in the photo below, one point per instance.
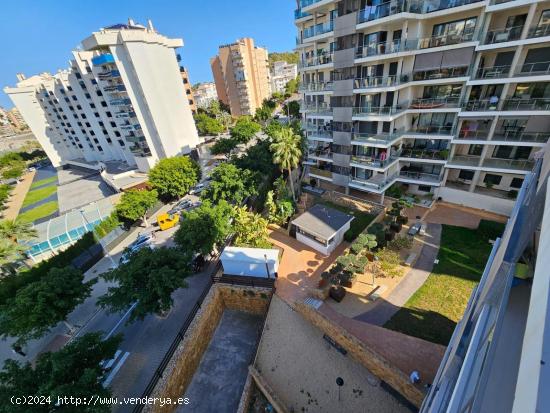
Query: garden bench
410,259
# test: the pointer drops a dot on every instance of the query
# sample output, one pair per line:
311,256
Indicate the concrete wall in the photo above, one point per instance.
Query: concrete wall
475,200
181,368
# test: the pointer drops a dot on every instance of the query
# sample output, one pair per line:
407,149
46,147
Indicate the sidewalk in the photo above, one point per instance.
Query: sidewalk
14,203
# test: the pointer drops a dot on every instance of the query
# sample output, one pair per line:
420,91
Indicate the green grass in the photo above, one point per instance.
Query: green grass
44,181
39,212
434,309
38,195
358,225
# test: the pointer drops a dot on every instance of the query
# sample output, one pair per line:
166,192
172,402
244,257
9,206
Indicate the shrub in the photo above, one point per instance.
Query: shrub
107,225
399,243
389,263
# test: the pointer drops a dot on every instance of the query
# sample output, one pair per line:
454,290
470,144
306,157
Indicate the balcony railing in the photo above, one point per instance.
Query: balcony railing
373,183
103,59
120,102
435,103
298,14
316,87
432,130
527,104
322,59
320,109
449,72
534,69
420,176
312,133
515,136
445,40
382,48
305,3
539,30
519,164
376,162
436,155
318,29
379,110
475,135
372,13
493,72
481,105
320,153
380,81
466,160
381,138
506,34
320,172
109,74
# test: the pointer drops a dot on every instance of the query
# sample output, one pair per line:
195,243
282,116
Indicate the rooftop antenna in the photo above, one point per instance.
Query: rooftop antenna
150,25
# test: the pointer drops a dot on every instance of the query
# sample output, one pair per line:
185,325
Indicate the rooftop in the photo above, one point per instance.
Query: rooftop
322,221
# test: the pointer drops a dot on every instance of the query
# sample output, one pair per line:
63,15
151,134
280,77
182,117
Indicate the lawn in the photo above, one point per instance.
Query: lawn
358,225
44,181
38,195
39,212
435,308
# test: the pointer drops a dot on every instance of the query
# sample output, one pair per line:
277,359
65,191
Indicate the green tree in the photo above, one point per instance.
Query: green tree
263,114
292,86
245,129
231,184
278,97
4,194
289,57
204,227
148,279
258,158
10,252
42,304
250,229
134,205
279,211
272,128
17,230
287,152
292,108
207,125
75,370
223,147
13,172
173,177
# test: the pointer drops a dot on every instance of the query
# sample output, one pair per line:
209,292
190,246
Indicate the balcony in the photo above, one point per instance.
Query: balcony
323,59
119,102
445,40
380,81
321,109
474,135
115,89
526,104
298,14
435,103
382,10
108,75
515,136
374,162
373,184
420,176
432,130
379,110
420,6
375,139
534,69
315,87
493,72
465,160
320,172
382,48
539,30
434,155
305,3
103,59
506,34
318,29
450,72
516,164
481,105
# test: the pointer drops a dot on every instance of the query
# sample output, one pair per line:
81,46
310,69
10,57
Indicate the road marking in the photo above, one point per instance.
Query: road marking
115,370
112,361
120,321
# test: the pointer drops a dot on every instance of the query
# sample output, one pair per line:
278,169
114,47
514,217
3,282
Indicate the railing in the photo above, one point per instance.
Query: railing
376,162
318,132
437,155
373,183
305,3
515,136
476,135
246,281
420,176
318,29
382,138
434,103
320,172
527,104
380,81
379,110
319,109
119,102
421,6
432,130
539,30
440,73
492,72
481,105
108,75
320,153
445,40
102,59
381,48
316,87
524,165
379,11
323,59
467,160
534,69
298,14
506,34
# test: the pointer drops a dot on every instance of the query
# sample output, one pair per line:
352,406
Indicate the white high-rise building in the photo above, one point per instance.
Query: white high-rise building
438,99
122,99
204,94
282,73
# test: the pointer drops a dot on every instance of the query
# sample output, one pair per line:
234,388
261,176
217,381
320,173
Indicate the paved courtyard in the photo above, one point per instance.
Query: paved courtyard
444,213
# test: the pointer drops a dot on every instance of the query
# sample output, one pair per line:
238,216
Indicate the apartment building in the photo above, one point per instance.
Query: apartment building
204,94
6,128
16,120
241,74
121,99
188,90
448,99
497,359
281,74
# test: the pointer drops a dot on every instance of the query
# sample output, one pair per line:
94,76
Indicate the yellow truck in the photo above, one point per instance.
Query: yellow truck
167,221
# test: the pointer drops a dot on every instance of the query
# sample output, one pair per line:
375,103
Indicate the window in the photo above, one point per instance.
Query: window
79,123
492,179
83,115
98,92
67,99
121,142
70,89
503,152
79,107
100,123
466,175
74,98
92,105
117,134
109,115
516,183
103,103
71,108
78,75
424,188
92,133
96,114
82,85
88,124
113,124
475,150
108,140
88,96
94,82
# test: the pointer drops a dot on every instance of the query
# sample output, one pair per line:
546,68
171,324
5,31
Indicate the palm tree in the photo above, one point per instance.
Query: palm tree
10,252
286,148
16,230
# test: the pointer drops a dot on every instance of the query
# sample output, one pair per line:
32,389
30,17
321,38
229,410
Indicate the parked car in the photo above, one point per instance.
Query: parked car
181,206
125,258
197,189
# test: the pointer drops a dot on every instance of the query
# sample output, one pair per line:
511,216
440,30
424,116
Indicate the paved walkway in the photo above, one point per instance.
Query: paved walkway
448,214
18,194
383,310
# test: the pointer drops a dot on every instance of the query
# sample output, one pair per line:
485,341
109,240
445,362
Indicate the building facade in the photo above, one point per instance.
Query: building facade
241,74
188,90
448,100
122,99
204,94
6,127
16,120
281,74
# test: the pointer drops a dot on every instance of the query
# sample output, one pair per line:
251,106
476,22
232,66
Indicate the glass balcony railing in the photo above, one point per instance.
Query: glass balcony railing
379,110
445,40
380,81
320,172
436,155
317,132
432,130
476,135
539,30
449,72
481,105
517,164
108,75
298,14
319,109
316,87
466,160
506,34
380,11
318,29
376,139
103,59
435,103
421,6
322,59
376,183
382,48
534,69
376,162
420,176
305,3
120,102
320,153
515,136
526,104
492,72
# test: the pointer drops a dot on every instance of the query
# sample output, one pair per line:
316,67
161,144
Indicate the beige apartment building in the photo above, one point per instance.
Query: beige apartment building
188,90
241,73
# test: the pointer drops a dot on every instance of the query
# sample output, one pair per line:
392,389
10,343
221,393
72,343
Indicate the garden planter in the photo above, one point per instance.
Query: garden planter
402,219
396,226
337,293
389,235
323,283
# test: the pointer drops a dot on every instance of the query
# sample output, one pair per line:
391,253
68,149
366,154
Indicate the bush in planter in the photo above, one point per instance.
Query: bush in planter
402,219
337,293
375,228
388,261
389,235
399,243
364,241
396,226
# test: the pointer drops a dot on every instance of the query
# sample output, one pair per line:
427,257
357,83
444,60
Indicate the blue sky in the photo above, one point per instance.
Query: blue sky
41,34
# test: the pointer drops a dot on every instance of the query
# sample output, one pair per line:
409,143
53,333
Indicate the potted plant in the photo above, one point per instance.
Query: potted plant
396,227
326,277
389,235
337,293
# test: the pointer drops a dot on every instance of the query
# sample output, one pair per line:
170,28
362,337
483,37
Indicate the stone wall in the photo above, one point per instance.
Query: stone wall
246,395
187,357
352,202
363,354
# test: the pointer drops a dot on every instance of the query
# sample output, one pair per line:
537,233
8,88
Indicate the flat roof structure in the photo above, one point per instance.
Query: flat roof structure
322,221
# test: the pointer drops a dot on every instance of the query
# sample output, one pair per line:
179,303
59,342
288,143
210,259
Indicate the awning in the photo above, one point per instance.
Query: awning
428,61
457,57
